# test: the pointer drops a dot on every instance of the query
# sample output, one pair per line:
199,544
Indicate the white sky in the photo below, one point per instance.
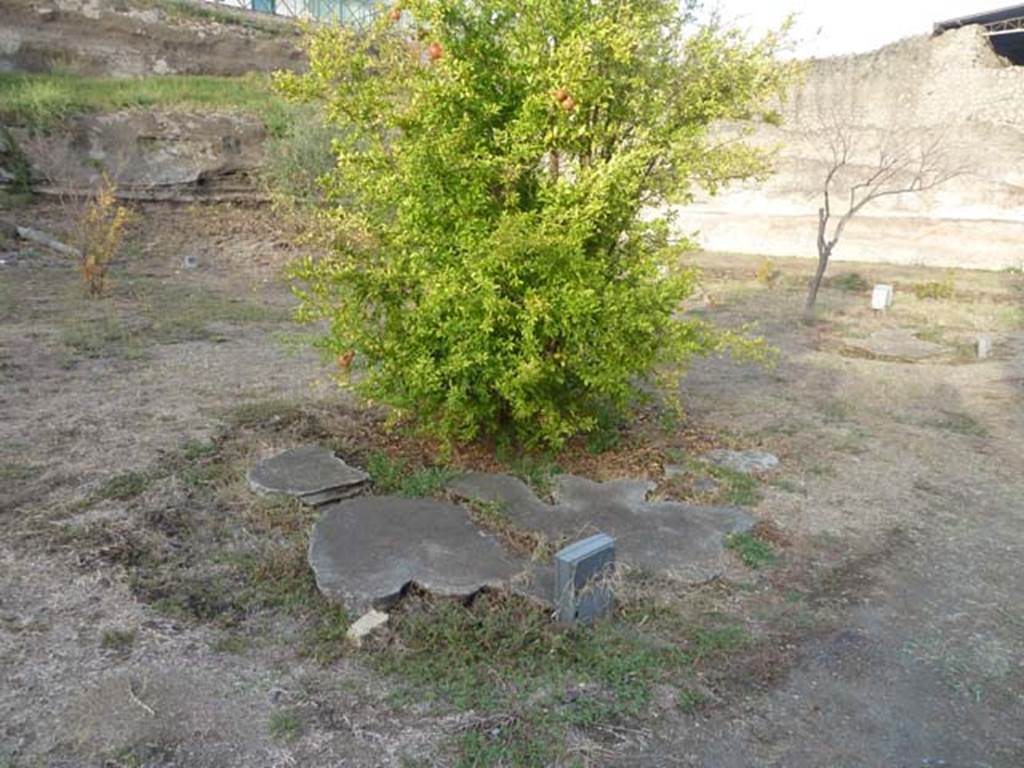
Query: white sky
828,27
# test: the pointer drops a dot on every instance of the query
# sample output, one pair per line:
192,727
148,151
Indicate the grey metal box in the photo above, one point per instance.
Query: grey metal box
582,591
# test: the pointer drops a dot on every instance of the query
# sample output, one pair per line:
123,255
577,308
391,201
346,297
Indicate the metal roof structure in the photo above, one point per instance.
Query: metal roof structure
1004,28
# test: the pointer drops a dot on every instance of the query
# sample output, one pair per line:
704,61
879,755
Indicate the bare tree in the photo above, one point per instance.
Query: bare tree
899,161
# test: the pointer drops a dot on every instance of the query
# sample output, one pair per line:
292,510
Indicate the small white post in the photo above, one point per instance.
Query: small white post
881,297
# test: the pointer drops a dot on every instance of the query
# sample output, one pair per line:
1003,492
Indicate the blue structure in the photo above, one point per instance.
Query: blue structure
350,12
340,11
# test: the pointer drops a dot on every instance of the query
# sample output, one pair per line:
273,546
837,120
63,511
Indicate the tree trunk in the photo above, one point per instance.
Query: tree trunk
812,293
824,251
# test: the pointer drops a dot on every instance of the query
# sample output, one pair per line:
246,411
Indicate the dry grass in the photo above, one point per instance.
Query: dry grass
174,547
491,517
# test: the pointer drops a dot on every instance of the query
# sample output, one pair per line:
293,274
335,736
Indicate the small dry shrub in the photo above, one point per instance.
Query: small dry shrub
851,282
766,273
100,234
935,289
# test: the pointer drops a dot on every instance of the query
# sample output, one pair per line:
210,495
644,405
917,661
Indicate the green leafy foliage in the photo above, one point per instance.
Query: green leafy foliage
491,268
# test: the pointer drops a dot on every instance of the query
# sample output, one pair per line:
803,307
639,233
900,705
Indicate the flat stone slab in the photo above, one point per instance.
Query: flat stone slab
310,473
667,537
896,344
746,462
366,551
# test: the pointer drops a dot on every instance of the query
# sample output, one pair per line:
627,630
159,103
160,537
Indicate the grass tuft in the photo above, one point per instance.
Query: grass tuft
286,726
740,490
689,700
491,516
754,552
392,476
525,739
1010,318
44,101
529,682
325,640
20,473
500,649
538,472
958,422
851,282
267,414
730,488
120,640
934,289
123,487
15,162
229,560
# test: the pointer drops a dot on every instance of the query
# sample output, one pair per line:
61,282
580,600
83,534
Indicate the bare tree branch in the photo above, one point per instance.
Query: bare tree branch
903,161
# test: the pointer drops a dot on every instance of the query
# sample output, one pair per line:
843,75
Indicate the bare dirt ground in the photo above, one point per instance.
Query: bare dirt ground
891,633
920,465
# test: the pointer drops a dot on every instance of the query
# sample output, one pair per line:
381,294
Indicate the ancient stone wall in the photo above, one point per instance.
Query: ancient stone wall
954,86
151,154
126,38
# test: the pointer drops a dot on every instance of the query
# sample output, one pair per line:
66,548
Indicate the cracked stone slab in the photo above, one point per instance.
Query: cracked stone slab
746,462
310,473
667,537
366,551
897,344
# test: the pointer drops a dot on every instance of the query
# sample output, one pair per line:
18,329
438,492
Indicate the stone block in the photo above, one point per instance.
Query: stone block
365,626
311,474
984,347
582,570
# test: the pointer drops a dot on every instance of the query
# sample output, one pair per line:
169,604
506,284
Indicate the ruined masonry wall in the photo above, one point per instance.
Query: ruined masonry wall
955,83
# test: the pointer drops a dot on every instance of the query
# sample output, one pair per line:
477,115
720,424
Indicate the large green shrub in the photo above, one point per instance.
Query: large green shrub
491,267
